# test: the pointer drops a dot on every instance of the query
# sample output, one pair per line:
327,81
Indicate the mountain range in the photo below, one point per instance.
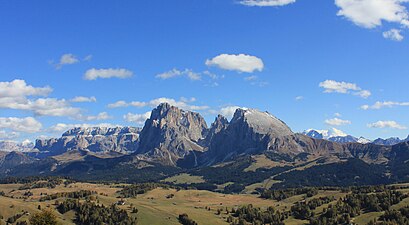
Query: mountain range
337,136
173,141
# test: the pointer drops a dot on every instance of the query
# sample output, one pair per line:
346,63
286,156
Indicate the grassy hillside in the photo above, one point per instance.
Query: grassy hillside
163,205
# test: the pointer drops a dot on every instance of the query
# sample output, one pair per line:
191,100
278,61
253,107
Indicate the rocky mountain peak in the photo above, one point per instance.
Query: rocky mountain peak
219,122
261,122
249,132
170,133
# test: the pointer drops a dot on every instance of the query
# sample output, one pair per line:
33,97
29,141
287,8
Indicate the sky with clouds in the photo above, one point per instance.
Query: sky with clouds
320,64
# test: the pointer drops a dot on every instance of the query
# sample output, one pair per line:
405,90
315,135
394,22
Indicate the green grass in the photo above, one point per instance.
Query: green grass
364,219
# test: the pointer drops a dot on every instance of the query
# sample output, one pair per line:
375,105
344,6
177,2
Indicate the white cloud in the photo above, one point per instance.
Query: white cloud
299,98
241,63
337,122
84,99
262,3
137,118
387,124
371,13
93,74
251,78
47,107
8,135
13,95
87,58
338,133
385,104
20,96
19,88
332,86
393,34
184,99
27,124
66,59
338,114
228,111
183,104
100,116
118,104
254,80
178,73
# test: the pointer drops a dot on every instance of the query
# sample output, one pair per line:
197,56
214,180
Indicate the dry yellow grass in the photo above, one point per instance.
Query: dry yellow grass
156,209
261,161
185,178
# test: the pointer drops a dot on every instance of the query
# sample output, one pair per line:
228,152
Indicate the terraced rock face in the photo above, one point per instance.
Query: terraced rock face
97,139
171,133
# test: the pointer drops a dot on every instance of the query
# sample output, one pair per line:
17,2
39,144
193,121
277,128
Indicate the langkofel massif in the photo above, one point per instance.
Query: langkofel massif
252,147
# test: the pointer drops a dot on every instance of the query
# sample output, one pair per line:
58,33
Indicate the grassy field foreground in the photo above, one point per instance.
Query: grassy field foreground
156,207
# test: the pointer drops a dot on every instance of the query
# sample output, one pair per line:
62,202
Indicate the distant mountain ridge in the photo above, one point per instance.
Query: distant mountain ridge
13,146
326,134
94,139
173,139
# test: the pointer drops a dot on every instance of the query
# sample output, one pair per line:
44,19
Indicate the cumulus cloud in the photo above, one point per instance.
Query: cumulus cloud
337,122
332,86
387,124
179,73
262,3
337,133
67,59
84,99
137,118
371,13
183,104
228,111
27,124
14,95
20,96
384,104
241,63
19,88
393,34
93,74
100,116
42,106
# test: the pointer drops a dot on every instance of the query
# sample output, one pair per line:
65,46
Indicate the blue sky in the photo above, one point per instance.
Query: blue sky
314,64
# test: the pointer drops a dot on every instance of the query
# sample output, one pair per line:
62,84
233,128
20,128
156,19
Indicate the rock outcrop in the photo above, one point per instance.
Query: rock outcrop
171,133
250,131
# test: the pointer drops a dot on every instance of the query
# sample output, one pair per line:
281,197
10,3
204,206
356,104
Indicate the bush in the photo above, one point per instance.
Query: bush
45,217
